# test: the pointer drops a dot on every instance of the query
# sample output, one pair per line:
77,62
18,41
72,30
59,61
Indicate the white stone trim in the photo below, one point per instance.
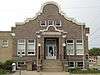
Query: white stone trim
51,33
52,26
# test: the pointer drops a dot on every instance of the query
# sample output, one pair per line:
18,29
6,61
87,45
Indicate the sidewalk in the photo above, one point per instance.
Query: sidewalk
39,73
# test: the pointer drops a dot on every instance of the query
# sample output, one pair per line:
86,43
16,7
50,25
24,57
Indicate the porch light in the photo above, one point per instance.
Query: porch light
64,36
39,44
38,36
63,44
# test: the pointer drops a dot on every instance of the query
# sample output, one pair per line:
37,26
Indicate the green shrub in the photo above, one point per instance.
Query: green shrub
2,71
77,70
6,66
1,65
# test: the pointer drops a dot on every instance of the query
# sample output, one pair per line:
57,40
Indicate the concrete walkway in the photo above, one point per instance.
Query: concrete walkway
45,73
39,73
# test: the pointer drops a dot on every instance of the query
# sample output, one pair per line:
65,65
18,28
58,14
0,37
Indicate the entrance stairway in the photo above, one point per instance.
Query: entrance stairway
51,65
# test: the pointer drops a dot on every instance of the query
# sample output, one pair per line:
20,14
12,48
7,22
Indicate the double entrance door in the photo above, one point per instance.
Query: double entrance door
51,48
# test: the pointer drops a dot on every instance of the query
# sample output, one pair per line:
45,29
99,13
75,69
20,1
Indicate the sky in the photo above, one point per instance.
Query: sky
84,11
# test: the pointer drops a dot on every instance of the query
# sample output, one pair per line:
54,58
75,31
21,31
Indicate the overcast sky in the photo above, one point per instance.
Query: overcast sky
85,11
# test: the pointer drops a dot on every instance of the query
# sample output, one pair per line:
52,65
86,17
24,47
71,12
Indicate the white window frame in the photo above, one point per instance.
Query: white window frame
21,50
43,25
58,25
79,49
34,47
4,44
52,22
73,47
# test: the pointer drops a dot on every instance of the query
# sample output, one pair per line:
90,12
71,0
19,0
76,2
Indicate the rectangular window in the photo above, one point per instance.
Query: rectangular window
42,23
80,64
79,41
71,64
50,22
19,64
4,43
79,47
21,47
30,47
58,23
70,47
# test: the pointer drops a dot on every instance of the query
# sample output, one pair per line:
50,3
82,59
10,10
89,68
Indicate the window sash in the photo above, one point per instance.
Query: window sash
79,41
79,49
31,47
21,41
21,47
70,47
70,41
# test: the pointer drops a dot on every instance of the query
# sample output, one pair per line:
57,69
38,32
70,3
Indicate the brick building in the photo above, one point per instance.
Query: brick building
6,48
50,42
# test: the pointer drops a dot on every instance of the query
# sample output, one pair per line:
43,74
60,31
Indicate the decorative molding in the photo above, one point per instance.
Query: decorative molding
54,28
51,33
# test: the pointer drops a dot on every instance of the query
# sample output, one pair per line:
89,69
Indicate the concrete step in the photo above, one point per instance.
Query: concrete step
52,65
48,62
52,69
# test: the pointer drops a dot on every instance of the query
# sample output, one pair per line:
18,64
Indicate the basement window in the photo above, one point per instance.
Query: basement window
71,64
19,64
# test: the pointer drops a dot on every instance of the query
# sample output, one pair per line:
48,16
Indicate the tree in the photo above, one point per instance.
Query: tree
94,51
